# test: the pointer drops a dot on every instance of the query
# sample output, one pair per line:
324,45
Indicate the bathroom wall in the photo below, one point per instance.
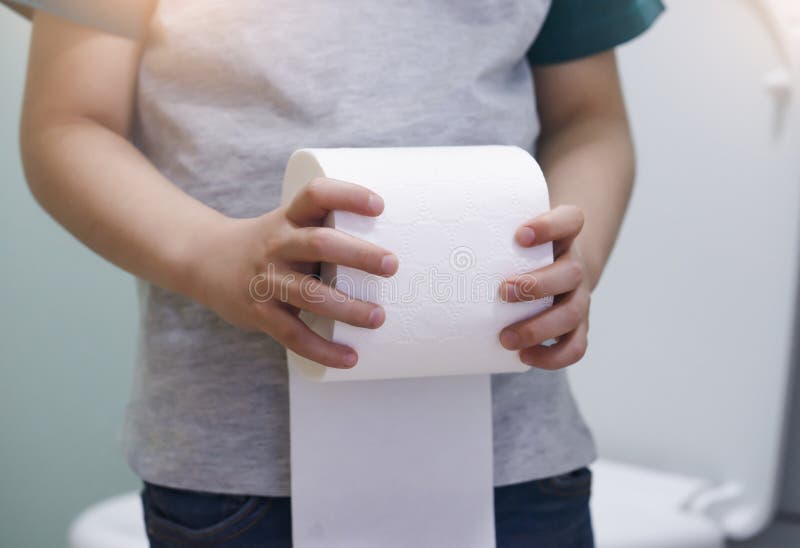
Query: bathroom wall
67,327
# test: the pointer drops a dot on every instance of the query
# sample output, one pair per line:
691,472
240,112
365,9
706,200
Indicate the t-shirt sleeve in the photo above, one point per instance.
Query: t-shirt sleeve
127,18
579,28
23,9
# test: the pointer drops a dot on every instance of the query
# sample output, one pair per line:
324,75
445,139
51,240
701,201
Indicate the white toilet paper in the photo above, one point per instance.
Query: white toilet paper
450,216
396,462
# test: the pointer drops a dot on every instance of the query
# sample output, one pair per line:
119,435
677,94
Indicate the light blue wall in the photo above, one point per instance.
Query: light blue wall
67,333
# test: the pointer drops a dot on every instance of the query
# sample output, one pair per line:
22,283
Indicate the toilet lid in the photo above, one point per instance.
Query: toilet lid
636,507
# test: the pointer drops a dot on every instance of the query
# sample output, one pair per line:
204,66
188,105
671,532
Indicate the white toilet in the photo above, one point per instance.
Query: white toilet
633,507
637,507
116,522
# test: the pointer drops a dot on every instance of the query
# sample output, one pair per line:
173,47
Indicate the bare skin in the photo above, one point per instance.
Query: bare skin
587,156
84,171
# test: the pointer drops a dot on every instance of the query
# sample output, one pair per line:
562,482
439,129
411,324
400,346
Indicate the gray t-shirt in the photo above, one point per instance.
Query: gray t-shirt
227,91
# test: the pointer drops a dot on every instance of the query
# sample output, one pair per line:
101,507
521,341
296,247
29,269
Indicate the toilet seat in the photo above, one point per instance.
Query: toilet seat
632,507
116,522
637,507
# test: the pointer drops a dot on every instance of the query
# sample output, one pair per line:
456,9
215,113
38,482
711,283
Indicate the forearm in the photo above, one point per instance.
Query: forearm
107,194
589,162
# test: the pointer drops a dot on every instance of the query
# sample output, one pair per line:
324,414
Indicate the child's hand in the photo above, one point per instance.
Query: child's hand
566,280
257,273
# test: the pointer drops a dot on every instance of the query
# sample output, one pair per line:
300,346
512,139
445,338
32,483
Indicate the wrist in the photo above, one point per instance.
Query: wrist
592,265
193,248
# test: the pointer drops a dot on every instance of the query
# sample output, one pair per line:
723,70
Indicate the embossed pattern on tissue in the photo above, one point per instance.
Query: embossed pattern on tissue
417,308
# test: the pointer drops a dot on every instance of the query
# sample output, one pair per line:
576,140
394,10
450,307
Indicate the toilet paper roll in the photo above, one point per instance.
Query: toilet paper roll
396,462
450,216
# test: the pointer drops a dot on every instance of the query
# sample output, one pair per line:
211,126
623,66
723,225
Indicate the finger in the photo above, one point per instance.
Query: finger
562,318
309,293
291,332
562,276
562,222
568,350
322,244
321,195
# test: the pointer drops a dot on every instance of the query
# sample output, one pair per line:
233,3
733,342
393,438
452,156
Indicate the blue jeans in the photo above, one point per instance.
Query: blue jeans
546,513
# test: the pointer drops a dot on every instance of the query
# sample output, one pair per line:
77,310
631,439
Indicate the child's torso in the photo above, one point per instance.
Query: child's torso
227,91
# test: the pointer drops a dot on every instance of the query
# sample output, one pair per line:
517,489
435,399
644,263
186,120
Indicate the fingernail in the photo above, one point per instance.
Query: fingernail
389,264
508,291
350,358
376,317
526,236
509,339
375,204
525,358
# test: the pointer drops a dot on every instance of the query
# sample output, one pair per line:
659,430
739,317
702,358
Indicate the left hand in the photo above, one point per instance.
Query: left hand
567,279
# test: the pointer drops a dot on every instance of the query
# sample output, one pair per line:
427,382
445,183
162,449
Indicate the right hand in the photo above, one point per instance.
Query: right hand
257,273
